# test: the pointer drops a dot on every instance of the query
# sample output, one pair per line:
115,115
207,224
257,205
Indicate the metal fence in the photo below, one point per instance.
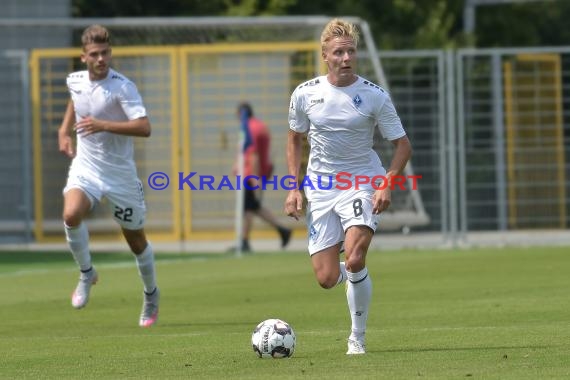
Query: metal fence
15,147
490,134
191,93
489,130
513,129
211,64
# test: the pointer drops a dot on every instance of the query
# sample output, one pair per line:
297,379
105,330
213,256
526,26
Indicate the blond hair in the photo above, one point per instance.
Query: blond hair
95,34
337,28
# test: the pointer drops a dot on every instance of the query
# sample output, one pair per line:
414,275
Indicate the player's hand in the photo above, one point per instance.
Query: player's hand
294,204
381,200
66,145
87,126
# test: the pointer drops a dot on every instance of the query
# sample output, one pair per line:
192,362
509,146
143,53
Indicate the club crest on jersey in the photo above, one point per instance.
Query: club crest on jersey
357,101
107,94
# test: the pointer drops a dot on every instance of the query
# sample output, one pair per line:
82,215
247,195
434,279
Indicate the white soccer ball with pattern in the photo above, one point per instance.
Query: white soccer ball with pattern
273,338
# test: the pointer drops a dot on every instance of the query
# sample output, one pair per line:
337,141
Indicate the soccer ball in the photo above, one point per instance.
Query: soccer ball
273,338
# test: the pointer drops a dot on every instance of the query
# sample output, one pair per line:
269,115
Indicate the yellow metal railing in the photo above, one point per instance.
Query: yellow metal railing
535,141
190,92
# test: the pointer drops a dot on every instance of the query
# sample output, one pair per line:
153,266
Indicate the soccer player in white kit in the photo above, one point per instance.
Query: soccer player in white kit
105,111
340,111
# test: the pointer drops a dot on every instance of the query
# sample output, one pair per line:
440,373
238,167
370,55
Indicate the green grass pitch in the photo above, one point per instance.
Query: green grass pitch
465,314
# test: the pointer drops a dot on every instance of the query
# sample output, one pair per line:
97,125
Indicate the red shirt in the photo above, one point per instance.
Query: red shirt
260,146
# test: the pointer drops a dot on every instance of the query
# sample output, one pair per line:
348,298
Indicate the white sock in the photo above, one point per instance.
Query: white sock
342,276
145,263
78,241
358,295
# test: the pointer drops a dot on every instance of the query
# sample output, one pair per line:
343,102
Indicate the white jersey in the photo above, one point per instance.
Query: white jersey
340,122
116,98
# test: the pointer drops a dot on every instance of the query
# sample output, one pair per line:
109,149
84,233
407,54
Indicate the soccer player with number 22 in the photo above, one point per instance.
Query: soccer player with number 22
105,111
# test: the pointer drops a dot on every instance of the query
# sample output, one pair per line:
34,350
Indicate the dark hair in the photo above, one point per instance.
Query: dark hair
245,107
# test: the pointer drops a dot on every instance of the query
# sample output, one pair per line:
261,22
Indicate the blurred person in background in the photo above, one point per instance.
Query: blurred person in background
339,111
105,112
257,162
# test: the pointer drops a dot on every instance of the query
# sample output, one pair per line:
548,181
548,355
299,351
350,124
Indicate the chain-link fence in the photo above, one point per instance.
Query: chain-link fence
489,127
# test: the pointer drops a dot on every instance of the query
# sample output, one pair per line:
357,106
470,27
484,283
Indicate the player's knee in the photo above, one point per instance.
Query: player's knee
355,261
137,247
71,219
327,281
137,244
136,240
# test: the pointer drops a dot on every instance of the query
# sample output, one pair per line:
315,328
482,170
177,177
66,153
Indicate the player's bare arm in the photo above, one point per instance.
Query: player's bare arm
137,127
383,197
64,134
294,200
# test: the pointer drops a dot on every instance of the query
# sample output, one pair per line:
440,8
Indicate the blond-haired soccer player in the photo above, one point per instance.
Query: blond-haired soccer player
340,111
105,112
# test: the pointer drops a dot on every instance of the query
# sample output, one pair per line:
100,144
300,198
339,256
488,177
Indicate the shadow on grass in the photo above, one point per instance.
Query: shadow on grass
54,257
177,325
24,257
444,349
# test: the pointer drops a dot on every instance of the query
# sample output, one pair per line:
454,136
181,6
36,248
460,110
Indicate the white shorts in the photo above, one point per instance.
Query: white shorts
331,213
126,200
